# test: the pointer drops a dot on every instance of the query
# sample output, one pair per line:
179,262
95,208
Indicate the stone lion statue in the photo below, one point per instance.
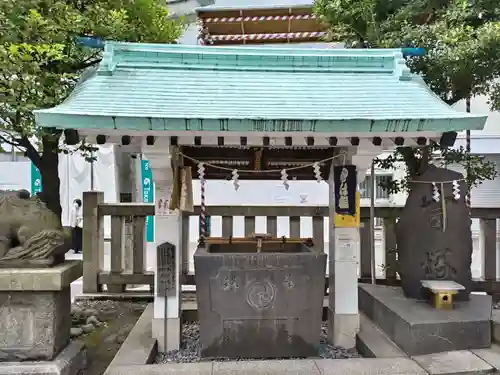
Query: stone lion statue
29,231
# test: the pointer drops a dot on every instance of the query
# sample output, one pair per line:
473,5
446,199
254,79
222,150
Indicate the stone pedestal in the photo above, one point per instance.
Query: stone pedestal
418,328
35,315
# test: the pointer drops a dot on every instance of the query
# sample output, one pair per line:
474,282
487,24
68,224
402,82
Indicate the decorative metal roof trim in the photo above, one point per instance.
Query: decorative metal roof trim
135,55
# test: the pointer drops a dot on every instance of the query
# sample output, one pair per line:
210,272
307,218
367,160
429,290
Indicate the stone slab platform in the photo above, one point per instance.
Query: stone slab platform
71,361
451,363
495,326
418,328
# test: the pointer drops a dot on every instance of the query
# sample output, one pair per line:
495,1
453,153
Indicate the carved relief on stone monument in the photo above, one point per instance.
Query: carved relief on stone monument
437,266
433,233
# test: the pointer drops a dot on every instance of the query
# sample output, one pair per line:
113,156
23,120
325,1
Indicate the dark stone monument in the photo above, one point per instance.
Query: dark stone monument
434,240
259,305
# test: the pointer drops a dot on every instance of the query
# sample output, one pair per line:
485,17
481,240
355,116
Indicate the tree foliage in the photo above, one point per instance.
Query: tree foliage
462,41
41,60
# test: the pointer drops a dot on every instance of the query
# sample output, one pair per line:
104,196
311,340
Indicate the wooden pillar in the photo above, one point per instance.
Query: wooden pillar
116,252
390,251
93,241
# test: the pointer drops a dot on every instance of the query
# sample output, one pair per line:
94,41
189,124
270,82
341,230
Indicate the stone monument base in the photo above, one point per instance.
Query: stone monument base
35,311
71,361
418,328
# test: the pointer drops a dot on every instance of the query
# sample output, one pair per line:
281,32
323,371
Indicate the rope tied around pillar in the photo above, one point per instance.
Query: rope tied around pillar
203,207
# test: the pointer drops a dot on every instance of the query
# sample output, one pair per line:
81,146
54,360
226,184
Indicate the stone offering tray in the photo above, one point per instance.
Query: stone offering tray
443,292
259,297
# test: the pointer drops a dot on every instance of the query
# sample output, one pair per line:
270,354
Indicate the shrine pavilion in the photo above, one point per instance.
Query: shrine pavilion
258,109
260,24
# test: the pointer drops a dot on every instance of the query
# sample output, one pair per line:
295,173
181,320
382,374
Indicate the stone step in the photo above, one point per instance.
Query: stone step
454,363
495,326
372,342
490,355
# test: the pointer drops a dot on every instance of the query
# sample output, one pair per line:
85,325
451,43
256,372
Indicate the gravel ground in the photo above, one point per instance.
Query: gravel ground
191,344
496,306
116,318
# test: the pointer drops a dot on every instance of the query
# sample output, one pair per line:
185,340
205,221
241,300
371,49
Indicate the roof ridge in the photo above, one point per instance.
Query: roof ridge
163,56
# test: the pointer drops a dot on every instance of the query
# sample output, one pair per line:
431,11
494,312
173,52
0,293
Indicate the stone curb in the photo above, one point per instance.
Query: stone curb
139,348
365,366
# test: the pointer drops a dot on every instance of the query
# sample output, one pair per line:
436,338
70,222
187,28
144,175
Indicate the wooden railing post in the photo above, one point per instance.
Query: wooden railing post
227,226
185,245
93,241
318,233
127,251
390,251
295,226
365,253
139,223
117,252
489,247
249,225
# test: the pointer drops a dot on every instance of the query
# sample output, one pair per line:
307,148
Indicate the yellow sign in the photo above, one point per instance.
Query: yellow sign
350,221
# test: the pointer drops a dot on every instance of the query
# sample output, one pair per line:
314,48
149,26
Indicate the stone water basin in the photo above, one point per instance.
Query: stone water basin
265,304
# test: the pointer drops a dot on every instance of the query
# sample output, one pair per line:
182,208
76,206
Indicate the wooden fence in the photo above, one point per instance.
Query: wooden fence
119,276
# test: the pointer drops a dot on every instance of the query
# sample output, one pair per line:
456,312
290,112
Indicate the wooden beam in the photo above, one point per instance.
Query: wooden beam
310,211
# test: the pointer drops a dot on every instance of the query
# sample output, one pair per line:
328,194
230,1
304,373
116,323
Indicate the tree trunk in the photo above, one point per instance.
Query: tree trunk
49,170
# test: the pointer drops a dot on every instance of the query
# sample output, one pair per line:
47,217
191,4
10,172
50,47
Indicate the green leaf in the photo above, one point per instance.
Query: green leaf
462,40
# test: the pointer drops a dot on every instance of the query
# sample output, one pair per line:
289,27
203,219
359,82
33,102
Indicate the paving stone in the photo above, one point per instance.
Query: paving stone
285,367
490,355
204,368
495,325
369,366
71,361
459,362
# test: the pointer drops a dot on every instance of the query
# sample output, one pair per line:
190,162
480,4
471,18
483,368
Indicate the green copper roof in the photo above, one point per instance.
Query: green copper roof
176,87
